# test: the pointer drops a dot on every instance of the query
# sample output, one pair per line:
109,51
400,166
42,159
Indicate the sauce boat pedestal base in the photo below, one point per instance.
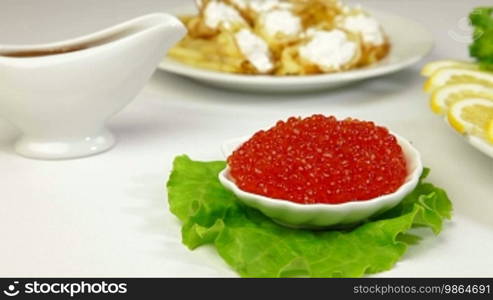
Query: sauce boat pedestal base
71,147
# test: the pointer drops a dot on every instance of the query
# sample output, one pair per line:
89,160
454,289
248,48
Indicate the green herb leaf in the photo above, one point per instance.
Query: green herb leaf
255,246
481,19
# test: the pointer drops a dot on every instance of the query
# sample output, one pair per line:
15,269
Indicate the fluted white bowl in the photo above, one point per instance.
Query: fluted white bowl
318,216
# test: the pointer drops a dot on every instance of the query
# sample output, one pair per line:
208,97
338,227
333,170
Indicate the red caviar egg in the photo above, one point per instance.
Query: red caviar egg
320,160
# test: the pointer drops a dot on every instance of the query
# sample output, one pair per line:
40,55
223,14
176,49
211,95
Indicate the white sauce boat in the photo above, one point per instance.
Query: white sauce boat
60,95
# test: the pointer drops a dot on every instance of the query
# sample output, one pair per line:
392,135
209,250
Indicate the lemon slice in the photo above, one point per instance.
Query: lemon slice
446,95
471,116
430,68
452,75
489,132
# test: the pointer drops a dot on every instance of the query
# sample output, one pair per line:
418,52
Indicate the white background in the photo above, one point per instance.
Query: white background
107,215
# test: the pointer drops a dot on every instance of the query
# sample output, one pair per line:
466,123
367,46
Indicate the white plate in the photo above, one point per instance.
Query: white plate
410,43
477,142
481,145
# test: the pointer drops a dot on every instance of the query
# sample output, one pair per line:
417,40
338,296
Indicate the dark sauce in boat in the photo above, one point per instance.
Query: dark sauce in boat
38,53
46,51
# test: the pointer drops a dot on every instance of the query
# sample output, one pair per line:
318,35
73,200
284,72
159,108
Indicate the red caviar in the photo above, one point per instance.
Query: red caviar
320,160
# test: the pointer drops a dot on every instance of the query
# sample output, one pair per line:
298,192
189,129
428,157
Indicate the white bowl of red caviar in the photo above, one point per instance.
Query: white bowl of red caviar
319,172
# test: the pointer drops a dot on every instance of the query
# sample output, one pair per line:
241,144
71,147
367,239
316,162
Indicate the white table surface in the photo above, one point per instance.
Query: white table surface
107,215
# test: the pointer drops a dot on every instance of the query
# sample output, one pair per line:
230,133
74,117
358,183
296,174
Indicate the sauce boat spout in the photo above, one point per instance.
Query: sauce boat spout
60,95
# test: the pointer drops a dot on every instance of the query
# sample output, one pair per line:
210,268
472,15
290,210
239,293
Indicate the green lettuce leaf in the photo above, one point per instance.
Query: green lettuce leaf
255,246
